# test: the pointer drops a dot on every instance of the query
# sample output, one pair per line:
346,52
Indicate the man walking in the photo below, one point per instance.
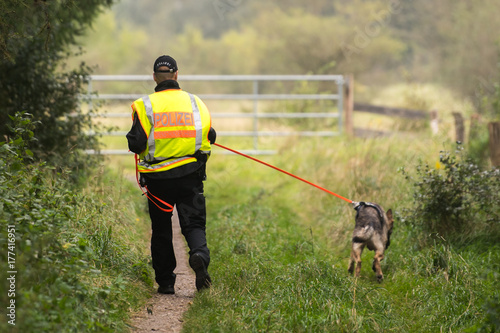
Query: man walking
172,133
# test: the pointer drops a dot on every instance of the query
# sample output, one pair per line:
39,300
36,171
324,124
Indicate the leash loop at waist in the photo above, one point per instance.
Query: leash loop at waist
148,193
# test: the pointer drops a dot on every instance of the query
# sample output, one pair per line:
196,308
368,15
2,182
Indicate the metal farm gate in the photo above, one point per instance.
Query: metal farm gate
334,92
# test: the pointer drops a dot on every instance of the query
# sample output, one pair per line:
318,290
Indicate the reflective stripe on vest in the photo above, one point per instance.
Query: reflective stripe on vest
175,134
157,167
151,138
197,122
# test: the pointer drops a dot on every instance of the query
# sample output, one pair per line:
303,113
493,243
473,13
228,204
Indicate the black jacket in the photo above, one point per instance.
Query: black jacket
138,140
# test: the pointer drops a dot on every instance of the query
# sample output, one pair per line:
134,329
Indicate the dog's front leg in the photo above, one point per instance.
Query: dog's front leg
379,256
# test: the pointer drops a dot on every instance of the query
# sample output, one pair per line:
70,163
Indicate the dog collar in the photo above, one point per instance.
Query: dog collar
358,205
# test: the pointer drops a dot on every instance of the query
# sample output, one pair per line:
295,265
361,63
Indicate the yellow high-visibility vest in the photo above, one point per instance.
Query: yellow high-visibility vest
176,124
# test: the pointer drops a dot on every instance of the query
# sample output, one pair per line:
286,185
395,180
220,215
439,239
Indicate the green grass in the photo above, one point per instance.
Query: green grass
280,248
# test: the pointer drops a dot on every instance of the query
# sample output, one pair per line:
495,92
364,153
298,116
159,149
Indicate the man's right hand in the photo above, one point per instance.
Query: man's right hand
212,135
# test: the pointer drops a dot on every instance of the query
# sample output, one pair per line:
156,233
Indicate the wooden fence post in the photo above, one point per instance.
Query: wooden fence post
494,129
349,105
459,127
434,122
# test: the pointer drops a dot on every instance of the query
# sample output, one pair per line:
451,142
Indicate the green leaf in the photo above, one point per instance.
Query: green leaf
16,166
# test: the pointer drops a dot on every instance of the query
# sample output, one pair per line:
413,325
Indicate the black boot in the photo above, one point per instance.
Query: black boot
169,289
202,277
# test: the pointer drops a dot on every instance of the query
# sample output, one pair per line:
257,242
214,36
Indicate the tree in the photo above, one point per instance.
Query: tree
34,39
452,42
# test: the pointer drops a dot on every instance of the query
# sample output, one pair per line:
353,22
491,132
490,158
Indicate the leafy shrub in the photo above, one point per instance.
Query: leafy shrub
487,104
456,199
73,271
33,45
53,100
487,100
478,146
491,323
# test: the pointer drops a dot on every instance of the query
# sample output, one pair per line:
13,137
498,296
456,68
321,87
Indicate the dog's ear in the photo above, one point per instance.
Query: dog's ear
389,214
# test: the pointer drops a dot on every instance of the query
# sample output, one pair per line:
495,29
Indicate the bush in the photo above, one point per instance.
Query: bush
487,103
53,100
478,147
455,200
72,268
492,320
33,45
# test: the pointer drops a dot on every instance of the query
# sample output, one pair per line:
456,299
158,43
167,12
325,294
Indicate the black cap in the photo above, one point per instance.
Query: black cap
165,60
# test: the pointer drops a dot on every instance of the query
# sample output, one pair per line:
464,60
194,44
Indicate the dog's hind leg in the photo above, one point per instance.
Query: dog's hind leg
357,249
351,264
379,256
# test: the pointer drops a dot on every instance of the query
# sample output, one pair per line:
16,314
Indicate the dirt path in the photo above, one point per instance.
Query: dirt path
163,313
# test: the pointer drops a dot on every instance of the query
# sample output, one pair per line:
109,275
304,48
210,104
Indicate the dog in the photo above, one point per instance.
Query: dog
373,229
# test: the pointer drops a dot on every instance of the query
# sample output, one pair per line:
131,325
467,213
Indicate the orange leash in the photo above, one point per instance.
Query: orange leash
170,207
285,172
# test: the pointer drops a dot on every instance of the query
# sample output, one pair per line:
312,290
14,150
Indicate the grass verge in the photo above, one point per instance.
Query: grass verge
75,253
280,248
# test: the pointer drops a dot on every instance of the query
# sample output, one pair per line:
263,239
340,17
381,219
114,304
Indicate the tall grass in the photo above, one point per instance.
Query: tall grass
280,248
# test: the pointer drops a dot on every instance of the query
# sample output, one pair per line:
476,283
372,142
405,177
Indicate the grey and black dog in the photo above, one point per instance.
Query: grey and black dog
373,229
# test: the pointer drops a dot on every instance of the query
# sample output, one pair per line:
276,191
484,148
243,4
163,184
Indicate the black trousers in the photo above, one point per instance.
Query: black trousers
186,193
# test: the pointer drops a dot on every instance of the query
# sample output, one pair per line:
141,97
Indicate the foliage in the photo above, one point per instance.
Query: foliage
71,252
33,44
478,145
456,199
489,100
260,37
492,321
377,41
115,38
22,127
54,23
447,43
495,102
53,100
